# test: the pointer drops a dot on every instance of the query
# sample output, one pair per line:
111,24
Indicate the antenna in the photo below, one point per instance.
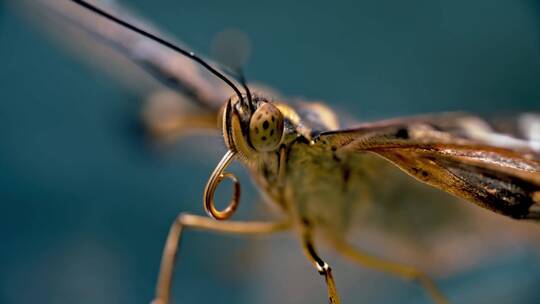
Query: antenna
243,81
161,41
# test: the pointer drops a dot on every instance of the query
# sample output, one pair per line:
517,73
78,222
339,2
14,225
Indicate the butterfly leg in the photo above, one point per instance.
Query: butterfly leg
322,267
184,220
405,272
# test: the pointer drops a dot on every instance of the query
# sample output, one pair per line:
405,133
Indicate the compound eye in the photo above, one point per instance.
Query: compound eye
266,128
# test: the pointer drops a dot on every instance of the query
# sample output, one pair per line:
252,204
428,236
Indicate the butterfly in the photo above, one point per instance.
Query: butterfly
313,169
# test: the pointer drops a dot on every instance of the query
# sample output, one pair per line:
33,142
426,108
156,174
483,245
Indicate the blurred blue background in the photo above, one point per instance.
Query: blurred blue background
86,201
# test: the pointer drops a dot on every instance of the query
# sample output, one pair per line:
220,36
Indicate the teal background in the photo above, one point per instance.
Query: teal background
86,200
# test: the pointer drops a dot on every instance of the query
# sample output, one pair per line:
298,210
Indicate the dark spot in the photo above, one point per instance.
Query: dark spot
401,157
273,119
259,117
346,174
315,135
334,156
346,177
402,133
256,130
265,171
272,132
419,171
263,138
266,124
302,140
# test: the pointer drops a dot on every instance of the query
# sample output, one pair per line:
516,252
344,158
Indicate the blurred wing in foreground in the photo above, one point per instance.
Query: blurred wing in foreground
186,95
460,154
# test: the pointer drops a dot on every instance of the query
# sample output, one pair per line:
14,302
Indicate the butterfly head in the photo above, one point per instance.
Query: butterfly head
252,125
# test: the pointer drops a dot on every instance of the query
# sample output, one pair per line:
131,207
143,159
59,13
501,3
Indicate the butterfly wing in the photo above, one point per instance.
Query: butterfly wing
84,28
456,153
180,96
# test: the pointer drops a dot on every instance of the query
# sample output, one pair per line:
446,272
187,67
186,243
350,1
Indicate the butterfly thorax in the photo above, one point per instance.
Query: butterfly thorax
302,175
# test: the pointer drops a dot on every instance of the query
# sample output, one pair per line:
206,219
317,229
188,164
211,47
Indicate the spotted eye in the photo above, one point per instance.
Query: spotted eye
266,128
